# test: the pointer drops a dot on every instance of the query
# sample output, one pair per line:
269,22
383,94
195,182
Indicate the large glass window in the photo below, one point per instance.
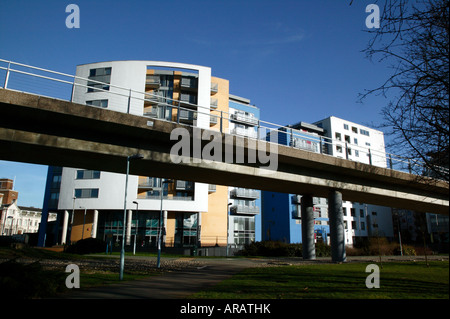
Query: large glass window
101,75
244,230
99,103
86,192
186,232
88,174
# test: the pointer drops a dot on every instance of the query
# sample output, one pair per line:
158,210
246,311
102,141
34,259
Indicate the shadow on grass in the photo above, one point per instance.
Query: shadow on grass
27,281
397,280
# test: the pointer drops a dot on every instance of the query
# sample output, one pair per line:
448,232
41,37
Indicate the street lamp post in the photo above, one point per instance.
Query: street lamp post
158,262
136,228
84,222
71,220
122,251
228,226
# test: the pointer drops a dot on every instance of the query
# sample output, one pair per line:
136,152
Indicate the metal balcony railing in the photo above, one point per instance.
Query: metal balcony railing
249,120
242,209
189,83
153,81
245,193
250,132
184,185
214,87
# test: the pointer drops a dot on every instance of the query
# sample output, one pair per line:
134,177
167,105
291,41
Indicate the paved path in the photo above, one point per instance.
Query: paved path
169,285
182,283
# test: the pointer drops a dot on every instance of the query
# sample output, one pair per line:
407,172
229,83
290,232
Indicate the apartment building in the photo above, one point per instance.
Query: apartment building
15,219
245,204
90,203
7,192
340,138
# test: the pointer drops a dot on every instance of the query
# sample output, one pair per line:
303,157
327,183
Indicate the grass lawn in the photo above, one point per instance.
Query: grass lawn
398,280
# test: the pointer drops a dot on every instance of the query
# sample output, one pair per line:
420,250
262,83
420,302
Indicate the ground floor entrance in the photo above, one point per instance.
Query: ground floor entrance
142,228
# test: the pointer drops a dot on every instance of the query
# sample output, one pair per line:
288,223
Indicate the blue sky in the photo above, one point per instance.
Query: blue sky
296,60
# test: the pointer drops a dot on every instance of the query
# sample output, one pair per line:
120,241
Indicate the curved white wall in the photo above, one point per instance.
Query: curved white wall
130,75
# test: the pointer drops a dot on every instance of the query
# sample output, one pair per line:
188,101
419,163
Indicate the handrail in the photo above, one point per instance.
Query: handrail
381,157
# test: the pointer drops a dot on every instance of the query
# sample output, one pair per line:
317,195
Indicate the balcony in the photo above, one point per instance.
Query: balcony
152,82
213,103
184,186
245,119
296,199
189,83
165,197
187,116
211,188
151,112
213,119
214,88
248,210
154,99
305,144
296,212
188,100
245,132
245,193
149,182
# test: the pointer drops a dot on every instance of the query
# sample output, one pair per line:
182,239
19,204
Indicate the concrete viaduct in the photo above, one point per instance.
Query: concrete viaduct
48,131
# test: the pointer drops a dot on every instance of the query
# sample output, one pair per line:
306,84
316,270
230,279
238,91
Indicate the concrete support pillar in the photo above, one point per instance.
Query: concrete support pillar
337,231
94,224
308,245
128,231
64,227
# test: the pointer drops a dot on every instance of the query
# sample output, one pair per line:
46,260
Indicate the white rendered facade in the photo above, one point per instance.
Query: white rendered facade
245,204
100,192
353,141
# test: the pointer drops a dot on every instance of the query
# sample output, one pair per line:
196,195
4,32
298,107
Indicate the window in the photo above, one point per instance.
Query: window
339,148
344,209
353,225
101,75
338,136
86,192
345,126
355,141
364,132
347,138
352,212
244,230
356,153
363,226
354,130
88,174
100,103
361,213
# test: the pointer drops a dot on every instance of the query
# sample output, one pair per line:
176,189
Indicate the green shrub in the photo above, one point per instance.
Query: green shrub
323,250
409,250
26,281
280,249
87,246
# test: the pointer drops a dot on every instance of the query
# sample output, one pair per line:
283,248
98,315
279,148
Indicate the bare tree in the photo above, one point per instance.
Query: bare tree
414,38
